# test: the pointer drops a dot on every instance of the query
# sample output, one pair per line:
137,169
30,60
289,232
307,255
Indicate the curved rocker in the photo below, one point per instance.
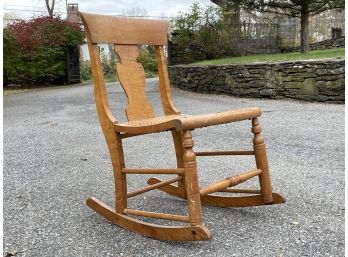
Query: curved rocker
188,233
222,201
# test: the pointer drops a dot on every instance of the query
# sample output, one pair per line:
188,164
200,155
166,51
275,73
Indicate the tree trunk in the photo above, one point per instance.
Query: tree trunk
305,32
234,6
50,9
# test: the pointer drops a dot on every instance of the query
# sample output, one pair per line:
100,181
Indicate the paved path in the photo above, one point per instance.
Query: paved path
55,157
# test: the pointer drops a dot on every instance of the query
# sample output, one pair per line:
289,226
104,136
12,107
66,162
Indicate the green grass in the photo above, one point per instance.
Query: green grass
336,53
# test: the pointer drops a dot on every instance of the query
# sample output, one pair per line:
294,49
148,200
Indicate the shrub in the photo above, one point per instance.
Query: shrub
35,50
205,30
147,58
85,70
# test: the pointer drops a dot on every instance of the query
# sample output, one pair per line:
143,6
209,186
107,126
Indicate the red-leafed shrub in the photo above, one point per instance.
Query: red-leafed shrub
35,50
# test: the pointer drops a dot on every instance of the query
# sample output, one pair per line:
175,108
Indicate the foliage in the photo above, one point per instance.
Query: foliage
85,70
204,30
35,50
295,8
147,58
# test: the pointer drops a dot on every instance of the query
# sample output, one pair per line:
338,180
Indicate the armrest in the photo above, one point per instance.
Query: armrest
185,122
152,125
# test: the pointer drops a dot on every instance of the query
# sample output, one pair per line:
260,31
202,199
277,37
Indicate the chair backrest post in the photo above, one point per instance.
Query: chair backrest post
105,115
164,84
101,100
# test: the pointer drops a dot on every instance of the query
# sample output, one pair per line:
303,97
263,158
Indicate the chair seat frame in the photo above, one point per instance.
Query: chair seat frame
126,34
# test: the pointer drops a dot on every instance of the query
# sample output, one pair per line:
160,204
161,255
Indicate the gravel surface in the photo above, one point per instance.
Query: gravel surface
55,156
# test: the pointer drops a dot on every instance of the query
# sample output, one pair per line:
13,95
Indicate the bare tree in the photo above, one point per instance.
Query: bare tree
50,6
136,11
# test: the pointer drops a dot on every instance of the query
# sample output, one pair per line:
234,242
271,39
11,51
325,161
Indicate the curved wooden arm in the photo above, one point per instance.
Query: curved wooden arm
151,125
205,120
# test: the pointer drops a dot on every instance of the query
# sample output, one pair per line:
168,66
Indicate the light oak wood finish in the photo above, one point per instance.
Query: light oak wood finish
216,153
225,201
166,97
262,162
170,233
186,122
229,182
154,186
153,171
191,179
125,34
131,75
241,190
125,31
179,152
157,215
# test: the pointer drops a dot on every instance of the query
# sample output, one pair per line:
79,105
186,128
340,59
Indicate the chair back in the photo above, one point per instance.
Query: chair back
126,34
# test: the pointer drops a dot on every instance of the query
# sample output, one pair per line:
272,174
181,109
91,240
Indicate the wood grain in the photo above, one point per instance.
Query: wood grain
157,215
229,182
191,179
172,233
262,161
205,120
154,186
152,171
183,122
179,153
223,201
107,121
217,153
166,96
125,31
131,75
241,190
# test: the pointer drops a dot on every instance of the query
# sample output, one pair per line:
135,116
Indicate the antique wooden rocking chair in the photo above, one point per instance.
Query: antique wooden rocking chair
126,34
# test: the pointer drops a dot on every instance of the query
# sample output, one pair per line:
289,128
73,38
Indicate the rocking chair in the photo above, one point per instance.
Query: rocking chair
126,34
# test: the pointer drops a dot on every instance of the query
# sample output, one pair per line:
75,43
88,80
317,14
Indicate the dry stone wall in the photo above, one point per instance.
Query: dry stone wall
306,80
326,44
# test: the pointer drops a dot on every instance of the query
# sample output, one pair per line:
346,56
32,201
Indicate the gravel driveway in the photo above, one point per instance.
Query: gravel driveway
55,157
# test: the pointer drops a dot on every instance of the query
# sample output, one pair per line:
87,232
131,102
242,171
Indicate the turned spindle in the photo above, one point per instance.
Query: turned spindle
191,180
261,161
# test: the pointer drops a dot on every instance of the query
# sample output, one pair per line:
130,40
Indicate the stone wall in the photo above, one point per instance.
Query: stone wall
306,80
326,44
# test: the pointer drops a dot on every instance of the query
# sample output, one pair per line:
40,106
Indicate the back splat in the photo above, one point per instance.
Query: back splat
131,75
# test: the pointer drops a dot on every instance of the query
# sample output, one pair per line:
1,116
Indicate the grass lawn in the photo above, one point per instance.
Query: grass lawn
336,53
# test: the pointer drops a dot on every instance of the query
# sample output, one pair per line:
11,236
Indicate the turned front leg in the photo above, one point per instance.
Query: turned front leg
120,180
261,161
191,180
179,152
